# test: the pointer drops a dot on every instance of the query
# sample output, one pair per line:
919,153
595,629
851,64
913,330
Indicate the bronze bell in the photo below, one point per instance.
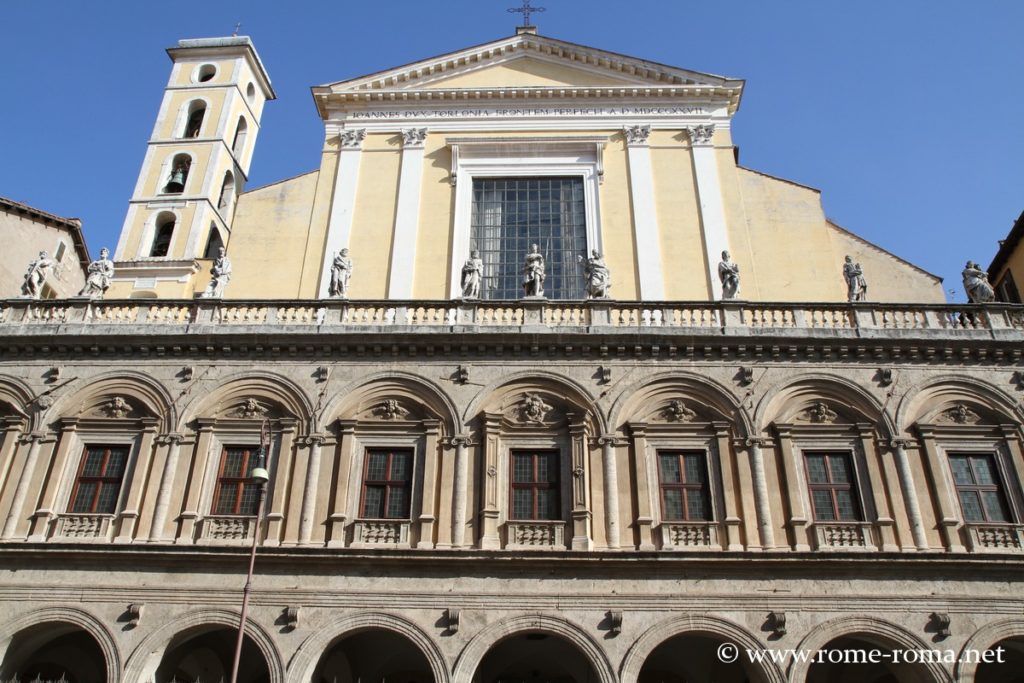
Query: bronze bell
176,183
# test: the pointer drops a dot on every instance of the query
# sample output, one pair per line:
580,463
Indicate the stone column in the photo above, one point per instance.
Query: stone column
798,517
163,494
309,491
732,520
338,511
201,457
279,480
35,441
460,487
764,512
431,429
1011,438
490,513
47,503
611,488
644,520
128,520
10,430
945,498
884,520
709,195
909,490
407,215
339,227
645,216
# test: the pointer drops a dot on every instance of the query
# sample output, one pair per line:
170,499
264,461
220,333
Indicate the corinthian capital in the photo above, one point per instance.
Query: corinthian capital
636,135
701,135
413,138
352,138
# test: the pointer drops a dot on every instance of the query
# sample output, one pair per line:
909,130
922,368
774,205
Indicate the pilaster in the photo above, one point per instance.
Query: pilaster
339,227
709,197
645,217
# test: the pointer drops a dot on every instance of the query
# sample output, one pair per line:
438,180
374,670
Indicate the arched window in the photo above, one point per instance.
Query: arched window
179,174
227,190
164,235
250,93
214,243
238,146
194,125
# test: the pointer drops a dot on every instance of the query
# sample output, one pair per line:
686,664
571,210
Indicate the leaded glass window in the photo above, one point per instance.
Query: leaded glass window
237,493
387,484
683,477
978,487
99,479
510,214
535,485
830,480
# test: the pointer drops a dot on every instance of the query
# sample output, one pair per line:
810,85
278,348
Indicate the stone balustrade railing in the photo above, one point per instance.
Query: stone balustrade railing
753,318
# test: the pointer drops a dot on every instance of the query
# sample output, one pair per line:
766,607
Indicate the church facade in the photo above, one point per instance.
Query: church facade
554,390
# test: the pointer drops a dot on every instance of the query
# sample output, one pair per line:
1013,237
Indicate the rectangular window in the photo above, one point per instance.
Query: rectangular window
387,484
237,493
510,214
99,479
535,485
1006,289
830,478
683,477
978,487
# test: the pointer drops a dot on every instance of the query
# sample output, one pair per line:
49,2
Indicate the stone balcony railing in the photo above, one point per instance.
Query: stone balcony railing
734,318
534,535
83,527
689,536
995,537
843,536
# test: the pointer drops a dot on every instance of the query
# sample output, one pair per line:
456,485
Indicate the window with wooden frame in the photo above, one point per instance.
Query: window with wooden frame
236,492
387,483
99,480
683,480
832,486
535,485
979,487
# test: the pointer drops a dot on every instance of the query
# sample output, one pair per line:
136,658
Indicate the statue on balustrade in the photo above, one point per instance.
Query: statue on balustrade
472,276
341,274
101,273
599,278
533,273
856,284
729,274
220,275
36,276
976,284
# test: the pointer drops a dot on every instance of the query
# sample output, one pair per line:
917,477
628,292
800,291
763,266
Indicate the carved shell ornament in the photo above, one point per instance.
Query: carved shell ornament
676,411
533,409
820,413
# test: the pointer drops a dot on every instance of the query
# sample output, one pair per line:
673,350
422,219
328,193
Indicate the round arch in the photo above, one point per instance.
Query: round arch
983,639
932,394
145,659
252,384
473,654
870,628
132,384
572,390
14,393
308,655
347,400
828,386
67,615
694,624
712,393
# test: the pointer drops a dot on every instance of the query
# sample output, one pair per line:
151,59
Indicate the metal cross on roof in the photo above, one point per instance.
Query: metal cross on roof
237,27
525,10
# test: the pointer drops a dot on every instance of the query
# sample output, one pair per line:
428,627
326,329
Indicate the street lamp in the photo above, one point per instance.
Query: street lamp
260,477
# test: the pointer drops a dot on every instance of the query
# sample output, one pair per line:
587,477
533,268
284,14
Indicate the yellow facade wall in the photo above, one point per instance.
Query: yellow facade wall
434,239
617,220
889,279
373,221
177,113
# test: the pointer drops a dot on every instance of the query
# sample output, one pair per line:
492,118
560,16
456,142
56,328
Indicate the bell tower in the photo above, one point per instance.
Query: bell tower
196,164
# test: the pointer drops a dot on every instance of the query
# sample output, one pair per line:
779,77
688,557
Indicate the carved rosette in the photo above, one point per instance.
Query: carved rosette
636,135
701,135
413,138
352,138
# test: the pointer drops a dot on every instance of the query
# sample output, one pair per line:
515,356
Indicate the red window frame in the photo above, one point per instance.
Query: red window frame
229,496
103,481
832,487
685,486
389,484
980,489
535,485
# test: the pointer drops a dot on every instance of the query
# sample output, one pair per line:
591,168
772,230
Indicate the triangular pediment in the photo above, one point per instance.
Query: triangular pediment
526,62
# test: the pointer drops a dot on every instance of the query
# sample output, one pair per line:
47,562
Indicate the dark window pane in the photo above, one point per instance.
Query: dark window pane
961,470
847,506
971,505
84,497
397,502
695,470
840,466
670,469
373,502
522,470
983,470
227,498
94,463
673,504
816,471
995,507
522,504
823,506
696,505
547,504
376,469
400,466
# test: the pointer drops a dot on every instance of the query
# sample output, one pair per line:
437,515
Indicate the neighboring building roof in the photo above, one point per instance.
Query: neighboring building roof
1007,247
73,225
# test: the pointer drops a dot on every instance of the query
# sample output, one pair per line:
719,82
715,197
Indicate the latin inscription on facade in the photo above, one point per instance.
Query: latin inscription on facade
525,112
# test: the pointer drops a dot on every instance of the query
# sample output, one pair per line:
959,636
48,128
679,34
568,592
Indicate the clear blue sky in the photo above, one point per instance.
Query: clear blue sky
907,114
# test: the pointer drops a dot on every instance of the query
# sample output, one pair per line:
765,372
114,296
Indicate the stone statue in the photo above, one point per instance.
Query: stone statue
729,274
533,273
220,275
101,272
472,274
856,285
36,276
599,278
976,284
341,274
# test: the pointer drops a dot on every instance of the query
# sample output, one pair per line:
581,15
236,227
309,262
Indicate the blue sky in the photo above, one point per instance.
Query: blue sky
907,114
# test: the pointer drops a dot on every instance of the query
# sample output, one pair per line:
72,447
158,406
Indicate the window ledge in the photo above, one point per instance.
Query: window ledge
844,536
374,533
74,526
536,535
689,535
995,538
